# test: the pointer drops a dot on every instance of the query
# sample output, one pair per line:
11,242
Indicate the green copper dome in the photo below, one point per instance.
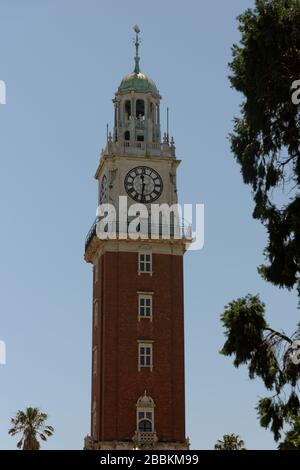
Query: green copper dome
136,80
139,82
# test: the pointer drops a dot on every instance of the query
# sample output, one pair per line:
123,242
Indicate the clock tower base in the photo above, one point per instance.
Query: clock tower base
134,444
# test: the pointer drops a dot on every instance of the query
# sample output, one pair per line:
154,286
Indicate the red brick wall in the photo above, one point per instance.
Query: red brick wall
118,383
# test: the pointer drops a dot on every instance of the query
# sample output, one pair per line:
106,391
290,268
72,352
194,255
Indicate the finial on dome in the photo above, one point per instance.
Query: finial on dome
137,44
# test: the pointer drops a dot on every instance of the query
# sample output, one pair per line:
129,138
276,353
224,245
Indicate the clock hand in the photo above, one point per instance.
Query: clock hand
143,183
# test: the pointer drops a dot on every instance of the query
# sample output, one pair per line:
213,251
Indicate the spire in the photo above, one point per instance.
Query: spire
137,44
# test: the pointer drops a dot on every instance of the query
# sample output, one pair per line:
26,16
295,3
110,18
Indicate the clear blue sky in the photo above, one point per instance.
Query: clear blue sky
62,63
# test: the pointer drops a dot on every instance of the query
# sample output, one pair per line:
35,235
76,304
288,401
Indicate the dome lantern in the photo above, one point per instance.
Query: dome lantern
137,80
137,123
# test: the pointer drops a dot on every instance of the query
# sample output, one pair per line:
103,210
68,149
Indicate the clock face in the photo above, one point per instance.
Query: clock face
143,184
103,190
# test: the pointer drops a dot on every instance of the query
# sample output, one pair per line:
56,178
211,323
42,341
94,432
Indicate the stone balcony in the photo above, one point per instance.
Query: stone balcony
129,147
146,439
162,232
140,440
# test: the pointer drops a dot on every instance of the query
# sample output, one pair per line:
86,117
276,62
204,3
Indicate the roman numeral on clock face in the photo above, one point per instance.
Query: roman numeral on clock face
143,184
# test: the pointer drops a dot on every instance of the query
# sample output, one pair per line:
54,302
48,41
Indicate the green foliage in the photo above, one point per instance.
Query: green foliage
266,139
275,413
244,322
267,354
230,442
31,424
266,143
292,437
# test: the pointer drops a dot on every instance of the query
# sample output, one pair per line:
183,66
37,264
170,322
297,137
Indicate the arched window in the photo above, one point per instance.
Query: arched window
127,109
140,109
145,414
127,135
145,425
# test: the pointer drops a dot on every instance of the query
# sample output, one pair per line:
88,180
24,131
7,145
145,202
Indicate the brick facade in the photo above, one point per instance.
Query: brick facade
117,383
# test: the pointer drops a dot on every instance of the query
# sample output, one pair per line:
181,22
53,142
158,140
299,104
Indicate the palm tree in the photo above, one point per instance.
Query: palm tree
230,442
31,423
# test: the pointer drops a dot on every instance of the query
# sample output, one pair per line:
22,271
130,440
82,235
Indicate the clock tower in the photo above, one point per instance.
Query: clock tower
138,321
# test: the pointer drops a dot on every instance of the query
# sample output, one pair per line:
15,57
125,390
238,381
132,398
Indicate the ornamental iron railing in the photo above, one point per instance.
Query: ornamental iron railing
145,231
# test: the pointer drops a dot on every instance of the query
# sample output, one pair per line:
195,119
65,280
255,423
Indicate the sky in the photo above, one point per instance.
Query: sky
62,62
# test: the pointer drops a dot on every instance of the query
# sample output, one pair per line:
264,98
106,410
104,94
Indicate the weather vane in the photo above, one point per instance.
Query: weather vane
137,30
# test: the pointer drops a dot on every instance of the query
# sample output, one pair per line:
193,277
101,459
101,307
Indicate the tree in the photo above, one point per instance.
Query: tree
268,354
266,139
292,437
230,442
266,143
31,423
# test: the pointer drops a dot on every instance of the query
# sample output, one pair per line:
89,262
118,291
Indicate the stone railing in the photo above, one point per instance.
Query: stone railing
145,438
129,147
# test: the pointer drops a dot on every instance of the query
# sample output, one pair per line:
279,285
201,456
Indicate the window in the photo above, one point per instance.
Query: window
126,135
140,109
145,421
127,109
144,417
145,355
140,138
145,305
145,262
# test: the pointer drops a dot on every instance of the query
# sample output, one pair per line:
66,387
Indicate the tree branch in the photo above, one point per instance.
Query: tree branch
288,160
281,335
